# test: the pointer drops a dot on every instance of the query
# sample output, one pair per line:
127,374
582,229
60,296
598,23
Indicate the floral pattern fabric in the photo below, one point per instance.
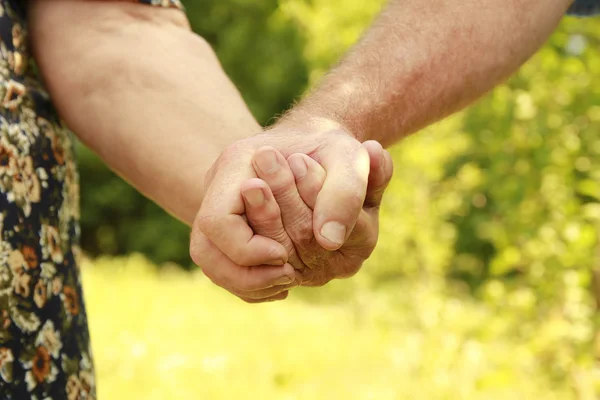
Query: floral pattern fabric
45,348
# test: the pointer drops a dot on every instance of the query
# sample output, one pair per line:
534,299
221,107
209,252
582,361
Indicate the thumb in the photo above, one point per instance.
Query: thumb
341,199
381,171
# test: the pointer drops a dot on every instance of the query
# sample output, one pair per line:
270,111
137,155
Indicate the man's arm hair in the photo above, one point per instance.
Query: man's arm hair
421,61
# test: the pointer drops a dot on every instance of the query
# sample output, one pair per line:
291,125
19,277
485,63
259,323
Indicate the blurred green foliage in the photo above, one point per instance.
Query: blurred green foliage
370,344
500,202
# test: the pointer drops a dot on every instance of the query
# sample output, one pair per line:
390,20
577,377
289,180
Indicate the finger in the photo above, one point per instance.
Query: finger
221,214
272,167
262,212
363,238
264,216
278,297
341,199
347,262
231,276
380,174
265,293
231,234
309,176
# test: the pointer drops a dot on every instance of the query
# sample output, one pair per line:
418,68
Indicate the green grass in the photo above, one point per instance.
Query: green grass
171,335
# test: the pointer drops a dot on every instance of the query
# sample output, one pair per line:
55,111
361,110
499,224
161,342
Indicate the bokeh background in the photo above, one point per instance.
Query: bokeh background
486,281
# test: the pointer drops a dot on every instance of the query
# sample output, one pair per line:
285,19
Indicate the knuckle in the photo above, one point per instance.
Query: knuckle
196,254
302,231
314,186
238,256
283,188
276,233
204,223
197,249
309,191
226,156
266,218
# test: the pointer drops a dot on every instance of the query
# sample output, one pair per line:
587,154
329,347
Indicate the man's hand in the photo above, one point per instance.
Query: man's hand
283,200
255,267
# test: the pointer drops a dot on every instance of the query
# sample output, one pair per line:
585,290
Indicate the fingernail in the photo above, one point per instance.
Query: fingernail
334,232
255,197
275,262
267,162
284,280
298,167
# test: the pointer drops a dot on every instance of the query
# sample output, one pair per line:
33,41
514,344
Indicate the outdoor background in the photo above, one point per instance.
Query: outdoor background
485,282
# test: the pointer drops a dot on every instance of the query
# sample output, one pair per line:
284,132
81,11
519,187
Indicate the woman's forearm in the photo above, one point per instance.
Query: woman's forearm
144,92
422,61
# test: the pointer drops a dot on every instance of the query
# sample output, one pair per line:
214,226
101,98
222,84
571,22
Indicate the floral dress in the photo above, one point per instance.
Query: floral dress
44,339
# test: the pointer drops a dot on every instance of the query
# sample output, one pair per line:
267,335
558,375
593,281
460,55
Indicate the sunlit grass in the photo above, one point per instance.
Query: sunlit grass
173,335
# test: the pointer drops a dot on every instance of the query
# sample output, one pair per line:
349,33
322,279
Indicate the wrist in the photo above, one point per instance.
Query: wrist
302,122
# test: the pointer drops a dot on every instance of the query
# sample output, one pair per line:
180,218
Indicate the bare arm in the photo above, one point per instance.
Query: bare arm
418,63
143,91
422,61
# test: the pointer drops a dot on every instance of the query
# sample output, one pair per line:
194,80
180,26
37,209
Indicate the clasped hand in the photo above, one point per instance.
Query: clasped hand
286,209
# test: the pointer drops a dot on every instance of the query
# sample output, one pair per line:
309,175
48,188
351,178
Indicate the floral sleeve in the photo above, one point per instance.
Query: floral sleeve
45,350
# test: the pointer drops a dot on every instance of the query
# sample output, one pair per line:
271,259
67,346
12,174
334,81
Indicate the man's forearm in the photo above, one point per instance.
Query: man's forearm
141,90
422,61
